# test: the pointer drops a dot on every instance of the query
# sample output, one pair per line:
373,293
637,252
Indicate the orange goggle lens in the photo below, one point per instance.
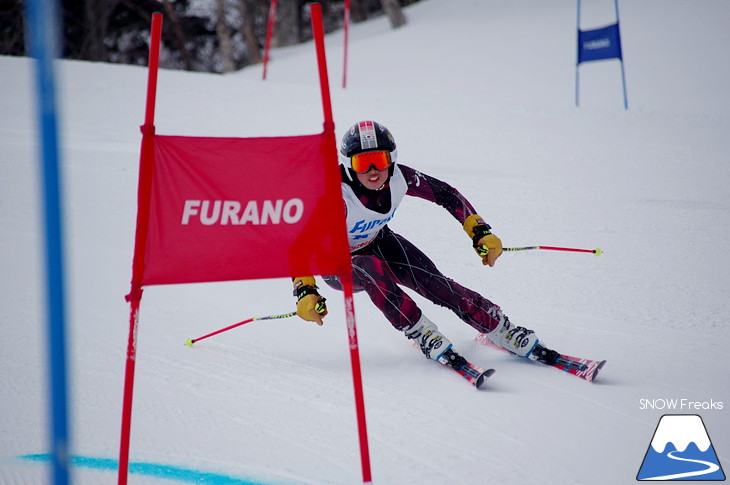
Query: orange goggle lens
362,162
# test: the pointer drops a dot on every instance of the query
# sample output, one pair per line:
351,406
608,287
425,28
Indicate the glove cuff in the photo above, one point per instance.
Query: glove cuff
298,281
476,228
303,286
303,291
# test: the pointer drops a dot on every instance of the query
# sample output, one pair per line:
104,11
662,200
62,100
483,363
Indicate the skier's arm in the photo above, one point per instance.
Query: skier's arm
434,190
310,304
487,245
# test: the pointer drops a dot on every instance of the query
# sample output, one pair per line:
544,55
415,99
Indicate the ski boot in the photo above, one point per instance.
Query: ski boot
520,341
424,333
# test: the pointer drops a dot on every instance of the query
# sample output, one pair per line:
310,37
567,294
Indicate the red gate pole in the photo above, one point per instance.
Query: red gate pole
346,277
147,155
347,37
357,377
269,32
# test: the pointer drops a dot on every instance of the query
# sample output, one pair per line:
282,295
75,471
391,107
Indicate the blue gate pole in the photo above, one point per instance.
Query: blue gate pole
623,80
623,74
43,38
577,55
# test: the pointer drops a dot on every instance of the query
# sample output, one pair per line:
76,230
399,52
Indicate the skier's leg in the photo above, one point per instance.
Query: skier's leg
416,271
371,274
374,276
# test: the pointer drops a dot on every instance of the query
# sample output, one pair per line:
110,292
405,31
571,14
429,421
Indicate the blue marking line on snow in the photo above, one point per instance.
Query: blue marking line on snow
156,470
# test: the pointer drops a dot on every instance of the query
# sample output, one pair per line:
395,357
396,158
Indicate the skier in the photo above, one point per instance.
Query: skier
373,185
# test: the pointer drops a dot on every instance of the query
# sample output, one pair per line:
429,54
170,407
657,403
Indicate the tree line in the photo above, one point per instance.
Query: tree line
198,35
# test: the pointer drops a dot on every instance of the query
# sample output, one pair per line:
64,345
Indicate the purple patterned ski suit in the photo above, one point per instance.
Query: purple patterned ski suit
391,260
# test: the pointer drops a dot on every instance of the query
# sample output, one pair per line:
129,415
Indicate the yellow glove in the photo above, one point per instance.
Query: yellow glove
311,305
487,245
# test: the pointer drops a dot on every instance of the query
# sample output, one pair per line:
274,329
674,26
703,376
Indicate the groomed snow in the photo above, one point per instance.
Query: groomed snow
478,94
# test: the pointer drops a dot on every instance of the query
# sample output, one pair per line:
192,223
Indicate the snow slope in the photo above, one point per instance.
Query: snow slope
481,95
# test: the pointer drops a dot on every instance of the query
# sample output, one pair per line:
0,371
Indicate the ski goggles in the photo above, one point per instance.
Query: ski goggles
362,162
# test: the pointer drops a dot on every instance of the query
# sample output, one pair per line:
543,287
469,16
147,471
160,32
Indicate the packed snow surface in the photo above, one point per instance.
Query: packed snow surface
480,95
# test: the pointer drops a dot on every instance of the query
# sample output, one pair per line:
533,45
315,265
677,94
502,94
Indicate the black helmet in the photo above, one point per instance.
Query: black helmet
366,136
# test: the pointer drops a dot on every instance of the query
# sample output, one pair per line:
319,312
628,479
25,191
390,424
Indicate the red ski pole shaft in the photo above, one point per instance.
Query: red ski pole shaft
189,342
596,251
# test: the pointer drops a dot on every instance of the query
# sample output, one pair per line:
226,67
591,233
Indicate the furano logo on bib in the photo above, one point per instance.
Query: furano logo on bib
224,212
365,227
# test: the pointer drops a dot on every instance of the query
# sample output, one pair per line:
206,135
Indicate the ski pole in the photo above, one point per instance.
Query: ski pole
189,342
596,251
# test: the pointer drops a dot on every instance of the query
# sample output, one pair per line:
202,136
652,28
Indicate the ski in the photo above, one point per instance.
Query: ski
474,375
585,369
